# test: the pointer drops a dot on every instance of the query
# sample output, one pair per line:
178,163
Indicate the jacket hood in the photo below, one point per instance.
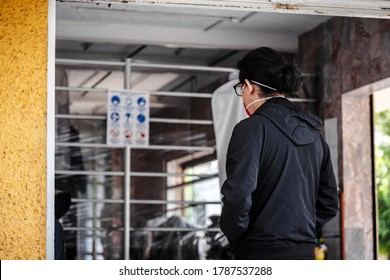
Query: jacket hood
299,126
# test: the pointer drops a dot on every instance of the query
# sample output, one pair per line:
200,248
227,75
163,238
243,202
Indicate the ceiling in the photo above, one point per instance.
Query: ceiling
180,27
166,35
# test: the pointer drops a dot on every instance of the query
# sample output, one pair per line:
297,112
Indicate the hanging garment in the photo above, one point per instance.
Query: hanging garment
227,111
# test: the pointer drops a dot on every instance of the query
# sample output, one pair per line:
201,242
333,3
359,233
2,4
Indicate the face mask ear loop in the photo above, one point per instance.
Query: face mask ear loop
258,100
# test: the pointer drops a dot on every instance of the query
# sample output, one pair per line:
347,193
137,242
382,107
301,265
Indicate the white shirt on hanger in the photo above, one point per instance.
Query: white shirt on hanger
228,110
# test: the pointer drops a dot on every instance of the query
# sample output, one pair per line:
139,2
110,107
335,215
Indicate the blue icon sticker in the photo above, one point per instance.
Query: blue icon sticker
141,101
115,117
141,118
115,100
127,117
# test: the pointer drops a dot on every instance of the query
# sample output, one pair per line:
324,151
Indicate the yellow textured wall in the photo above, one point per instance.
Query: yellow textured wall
23,86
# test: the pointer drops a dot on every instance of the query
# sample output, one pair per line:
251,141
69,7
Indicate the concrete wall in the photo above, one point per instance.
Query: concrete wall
357,173
348,53
23,83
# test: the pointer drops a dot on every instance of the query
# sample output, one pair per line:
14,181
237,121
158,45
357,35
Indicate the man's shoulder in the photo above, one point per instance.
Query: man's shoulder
251,124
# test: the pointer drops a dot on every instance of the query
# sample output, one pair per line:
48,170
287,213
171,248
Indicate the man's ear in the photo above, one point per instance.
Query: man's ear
249,85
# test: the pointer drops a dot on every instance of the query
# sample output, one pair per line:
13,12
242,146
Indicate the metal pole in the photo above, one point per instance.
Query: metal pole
137,174
80,62
167,93
151,147
64,61
127,192
127,73
155,120
184,67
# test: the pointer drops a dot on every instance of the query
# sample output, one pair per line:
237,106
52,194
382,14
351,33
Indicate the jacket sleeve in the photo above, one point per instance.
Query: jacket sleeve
327,203
242,163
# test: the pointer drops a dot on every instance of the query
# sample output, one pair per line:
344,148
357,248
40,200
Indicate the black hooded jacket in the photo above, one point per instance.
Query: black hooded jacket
280,184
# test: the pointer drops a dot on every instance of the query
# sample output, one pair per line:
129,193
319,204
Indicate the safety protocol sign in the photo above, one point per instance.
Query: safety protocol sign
128,118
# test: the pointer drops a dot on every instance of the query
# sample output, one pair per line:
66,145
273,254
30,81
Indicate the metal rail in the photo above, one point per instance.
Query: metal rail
167,229
80,62
155,120
167,93
150,147
131,173
144,201
161,93
75,62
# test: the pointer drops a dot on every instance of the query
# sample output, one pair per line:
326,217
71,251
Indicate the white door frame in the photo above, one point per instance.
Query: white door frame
50,130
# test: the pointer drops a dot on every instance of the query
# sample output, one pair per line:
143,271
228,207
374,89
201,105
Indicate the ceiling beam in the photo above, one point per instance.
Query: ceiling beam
352,8
174,36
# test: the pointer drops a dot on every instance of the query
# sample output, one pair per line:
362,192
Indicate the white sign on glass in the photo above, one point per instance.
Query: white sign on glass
128,118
